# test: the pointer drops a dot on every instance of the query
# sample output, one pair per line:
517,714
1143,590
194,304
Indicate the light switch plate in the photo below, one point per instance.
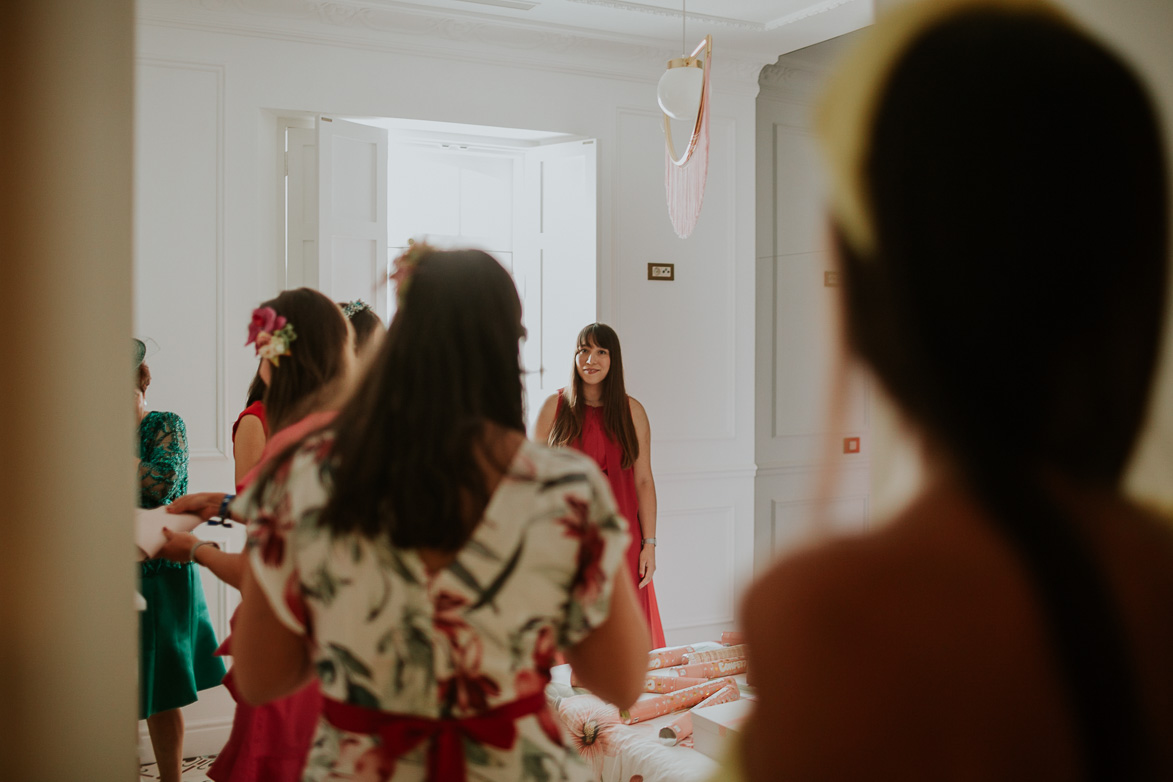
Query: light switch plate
662,271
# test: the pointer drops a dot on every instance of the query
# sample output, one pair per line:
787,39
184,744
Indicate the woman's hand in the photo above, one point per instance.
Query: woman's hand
647,564
178,546
205,504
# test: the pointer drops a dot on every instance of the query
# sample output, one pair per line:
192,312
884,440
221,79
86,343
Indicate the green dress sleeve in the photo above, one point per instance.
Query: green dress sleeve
162,468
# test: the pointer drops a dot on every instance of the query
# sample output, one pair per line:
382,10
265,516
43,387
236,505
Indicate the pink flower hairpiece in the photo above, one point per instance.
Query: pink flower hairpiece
271,333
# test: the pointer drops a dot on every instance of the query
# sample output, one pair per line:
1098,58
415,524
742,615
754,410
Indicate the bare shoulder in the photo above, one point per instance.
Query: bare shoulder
806,589
884,590
638,413
545,421
550,406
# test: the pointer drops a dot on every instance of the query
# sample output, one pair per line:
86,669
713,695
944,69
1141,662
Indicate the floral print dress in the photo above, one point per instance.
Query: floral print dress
462,644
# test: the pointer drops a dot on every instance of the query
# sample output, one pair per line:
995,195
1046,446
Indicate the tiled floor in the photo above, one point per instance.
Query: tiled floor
194,770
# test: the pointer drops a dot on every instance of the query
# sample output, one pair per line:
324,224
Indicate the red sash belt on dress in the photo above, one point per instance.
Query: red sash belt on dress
400,733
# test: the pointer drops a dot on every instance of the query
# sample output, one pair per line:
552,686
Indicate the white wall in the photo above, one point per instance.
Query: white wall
806,484
209,244
789,330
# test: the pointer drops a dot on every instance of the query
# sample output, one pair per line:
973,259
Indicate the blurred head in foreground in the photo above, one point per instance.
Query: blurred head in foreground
998,207
999,210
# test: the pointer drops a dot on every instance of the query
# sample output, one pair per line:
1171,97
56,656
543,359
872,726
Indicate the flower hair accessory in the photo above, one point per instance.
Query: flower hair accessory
406,264
271,333
354,308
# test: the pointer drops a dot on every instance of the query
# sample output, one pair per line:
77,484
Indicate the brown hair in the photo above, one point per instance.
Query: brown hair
143,377
405,454
317,356
365,322
567,427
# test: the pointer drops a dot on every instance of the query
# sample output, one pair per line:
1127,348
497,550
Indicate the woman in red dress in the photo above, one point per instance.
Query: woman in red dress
251,429
595,415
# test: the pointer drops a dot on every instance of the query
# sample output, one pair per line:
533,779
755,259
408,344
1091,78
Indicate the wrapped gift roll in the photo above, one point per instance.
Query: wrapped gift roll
727,693
678,729
726,653
647,708
671,683
711,670
674,655
730,638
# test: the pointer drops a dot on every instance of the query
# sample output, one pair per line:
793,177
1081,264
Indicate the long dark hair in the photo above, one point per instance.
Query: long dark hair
567,427
1014,301
317,358
405,452
256,389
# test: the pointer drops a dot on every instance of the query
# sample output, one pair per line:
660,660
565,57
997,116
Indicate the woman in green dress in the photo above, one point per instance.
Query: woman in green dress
176,641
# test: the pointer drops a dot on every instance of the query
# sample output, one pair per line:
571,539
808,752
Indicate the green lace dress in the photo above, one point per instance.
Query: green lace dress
176,643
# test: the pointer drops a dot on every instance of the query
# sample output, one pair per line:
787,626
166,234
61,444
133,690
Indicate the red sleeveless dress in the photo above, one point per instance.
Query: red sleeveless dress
608,454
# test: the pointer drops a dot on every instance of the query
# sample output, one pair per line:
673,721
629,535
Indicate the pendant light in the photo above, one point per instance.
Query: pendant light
683,94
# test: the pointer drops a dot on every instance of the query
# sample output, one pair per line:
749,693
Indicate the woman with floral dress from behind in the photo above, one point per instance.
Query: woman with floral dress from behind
427,561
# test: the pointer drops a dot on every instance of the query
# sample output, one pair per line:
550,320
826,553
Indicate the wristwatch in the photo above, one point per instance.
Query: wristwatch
646,541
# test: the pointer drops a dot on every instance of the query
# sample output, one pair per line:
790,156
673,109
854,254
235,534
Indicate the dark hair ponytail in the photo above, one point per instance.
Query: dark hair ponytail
1014,306
256,389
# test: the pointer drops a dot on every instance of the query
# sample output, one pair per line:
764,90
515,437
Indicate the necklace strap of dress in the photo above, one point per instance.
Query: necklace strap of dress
400,733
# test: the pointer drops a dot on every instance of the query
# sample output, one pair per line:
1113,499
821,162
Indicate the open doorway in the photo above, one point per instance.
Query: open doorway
357,188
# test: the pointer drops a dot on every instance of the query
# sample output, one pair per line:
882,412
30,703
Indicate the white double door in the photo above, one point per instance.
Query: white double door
354,197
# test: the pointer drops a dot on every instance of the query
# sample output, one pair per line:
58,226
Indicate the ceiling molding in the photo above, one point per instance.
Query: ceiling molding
468,37
720,21
790,78
655,10
806,13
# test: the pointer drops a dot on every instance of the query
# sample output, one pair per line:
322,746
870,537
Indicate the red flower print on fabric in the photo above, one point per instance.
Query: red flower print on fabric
468,691
589,577
270,539
545,651
528,682
447,616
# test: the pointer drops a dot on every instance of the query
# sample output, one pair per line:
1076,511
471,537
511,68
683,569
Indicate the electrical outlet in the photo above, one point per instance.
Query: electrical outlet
830,279
662,271
850,445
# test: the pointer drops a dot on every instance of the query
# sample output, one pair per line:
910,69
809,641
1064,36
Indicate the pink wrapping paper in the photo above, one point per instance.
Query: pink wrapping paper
674,655
727,693
680,728
663,684
648,708
710,670
728,653
730,638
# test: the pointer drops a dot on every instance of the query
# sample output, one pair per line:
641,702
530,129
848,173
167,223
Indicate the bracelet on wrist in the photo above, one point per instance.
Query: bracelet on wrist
196,547
646,541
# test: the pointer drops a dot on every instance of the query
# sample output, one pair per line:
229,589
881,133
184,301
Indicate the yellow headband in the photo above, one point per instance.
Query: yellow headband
848,108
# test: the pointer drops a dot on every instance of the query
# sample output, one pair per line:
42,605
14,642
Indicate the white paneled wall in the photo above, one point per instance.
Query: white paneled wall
807,485
179,247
